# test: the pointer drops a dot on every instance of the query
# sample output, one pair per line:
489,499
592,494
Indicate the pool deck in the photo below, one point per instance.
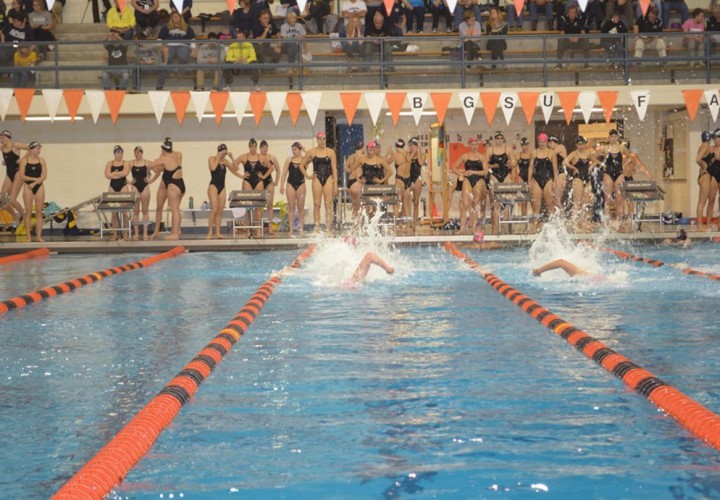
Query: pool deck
424,235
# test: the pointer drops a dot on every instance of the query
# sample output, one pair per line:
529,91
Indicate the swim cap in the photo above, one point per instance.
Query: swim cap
705,136
358,145
6,133
554,139
499,135
613,132
252,142
399,143
524,141
263,143
118,148
413,140
478,237
716,133
139,148
166,145
372,144
542,137
222,147
682,235
320,134
33,145
580,139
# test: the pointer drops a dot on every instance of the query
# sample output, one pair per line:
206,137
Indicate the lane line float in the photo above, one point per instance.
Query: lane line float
32,254
658,263
115,460
694,417
50,291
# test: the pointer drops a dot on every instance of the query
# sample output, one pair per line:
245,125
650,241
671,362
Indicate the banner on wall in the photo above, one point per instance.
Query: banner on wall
417,101
547,104
508,102
468,101
711,97
239,102
640,99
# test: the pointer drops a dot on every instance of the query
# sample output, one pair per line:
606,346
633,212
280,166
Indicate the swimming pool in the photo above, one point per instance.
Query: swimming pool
426,382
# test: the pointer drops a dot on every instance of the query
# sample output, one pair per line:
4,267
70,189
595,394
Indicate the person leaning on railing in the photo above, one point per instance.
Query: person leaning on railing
649,27
121,21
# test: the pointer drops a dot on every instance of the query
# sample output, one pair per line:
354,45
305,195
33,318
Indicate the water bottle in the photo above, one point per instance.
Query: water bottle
191,202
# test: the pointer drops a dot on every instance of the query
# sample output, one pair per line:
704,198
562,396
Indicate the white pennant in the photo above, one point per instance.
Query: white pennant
276,101
374,102
586,99
583,4
95,100
239,101
50,4
451,5
640,99
158,100
547,104
52,101
301,6
711,97
178,4
5,98
417,101
468,101
508,103
312,104
200,100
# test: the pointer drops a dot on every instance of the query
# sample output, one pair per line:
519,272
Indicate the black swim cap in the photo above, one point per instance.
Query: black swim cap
263,143
118,148
222,147
682,235
167,144
252,142
613,132
580,139
524,141
705,136
399,143
358,145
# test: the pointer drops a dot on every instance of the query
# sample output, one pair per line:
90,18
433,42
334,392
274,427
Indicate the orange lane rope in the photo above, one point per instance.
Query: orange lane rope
32,254
50,291
115,460
658,263
693,416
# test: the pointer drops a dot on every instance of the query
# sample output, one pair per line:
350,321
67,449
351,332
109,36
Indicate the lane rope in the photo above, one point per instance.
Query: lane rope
32,254
51,291
115,460
694,417
658,263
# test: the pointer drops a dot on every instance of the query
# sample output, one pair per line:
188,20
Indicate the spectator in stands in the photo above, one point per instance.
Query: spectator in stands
241,53
515,21
372,7
96,9
264,31
713,25
535,6
649,26
207,53
352,44
694,39
148,54
674,5
292,29
623,8
470,27
184,12
440,8
15,33
290,6
614,44
414,15
176,50
242,18
56,11
351,9
116,56
146,14
42,24
657,4
378,29
461,7
25,58
396,21
494,28
573,23
121,21
318,10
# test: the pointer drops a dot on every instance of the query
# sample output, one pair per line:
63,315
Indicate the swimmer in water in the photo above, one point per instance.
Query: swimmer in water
570,268
681,240
364,266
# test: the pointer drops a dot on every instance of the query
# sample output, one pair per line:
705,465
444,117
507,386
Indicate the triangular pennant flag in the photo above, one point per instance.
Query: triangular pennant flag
508,102
301,4
158,101
529,102
257,104
417,101
586,99
547,104
388,7
567,101
294,103
644,5
239,102
180,101
5,98
490,102
441,101
178,4
374,102
122,4
350,102
50,4
23,98
231,6
312,104
640,99
451,4
219,101
95,100
395,102
468,101
607,99
692,101
200,100
711,97
114,99
519,6
52,101
276,100
73,97
583,4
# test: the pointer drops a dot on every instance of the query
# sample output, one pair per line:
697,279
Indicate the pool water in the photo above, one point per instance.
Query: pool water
424,383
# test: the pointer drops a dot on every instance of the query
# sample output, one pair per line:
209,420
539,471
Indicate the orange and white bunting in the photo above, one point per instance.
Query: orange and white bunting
395,102
73,98
583,4
519,6
200,100
567,102
239,102
231,5
468,102
114,100
257,104
641,100
276,101
50,4
490,101
294,103
586,100
180,99
5,98
441,101
692,101
178,4
301,6
158,101
547,105
95,100
374,102
644,5
52,101
711,98
218,100
388,7
312,104
417,101
607,99
23,99
528,101
350,102
122,4
508,103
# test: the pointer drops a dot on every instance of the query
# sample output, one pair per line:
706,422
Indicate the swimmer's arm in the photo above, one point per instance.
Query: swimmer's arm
388,171
700,155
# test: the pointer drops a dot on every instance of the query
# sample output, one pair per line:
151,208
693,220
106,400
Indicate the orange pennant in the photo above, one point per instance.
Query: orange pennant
519,6
441,101
257,104
231,6
607,99
72,101
490,101
644,4
350,102
529,102
24,98
294,103
114,100
180,101
395,102
692,101
567,101
218,101
122,4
